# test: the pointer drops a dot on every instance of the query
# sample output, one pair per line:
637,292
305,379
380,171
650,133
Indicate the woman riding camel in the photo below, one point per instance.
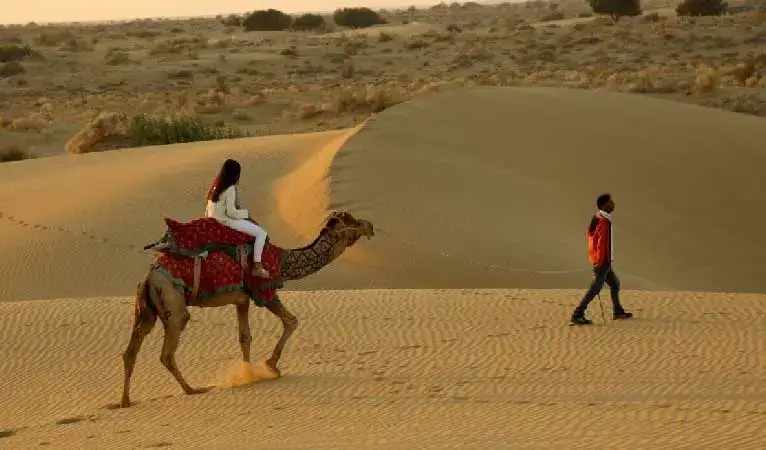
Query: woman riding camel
223,205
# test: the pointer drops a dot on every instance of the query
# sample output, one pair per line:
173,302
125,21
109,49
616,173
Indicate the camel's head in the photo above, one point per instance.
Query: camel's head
348,227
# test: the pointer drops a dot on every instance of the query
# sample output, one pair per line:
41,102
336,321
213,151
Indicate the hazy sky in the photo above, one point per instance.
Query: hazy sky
22,11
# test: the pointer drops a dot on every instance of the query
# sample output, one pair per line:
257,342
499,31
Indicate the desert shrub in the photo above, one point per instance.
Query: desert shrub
144,130
115,57
55,37
14,52
307,22
10,69
232,20
357,17
616,8
553,15
10,153
701,8
267,20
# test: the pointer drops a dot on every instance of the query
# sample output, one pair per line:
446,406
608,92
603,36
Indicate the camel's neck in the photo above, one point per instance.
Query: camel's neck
302,262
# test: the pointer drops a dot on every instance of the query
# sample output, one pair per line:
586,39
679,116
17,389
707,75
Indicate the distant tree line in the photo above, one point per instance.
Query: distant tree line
622,8
275,20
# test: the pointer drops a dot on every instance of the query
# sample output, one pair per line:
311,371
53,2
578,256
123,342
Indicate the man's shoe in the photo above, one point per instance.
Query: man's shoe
622,315
580,320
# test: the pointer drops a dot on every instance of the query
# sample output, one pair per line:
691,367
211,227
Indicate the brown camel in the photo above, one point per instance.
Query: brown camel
157,296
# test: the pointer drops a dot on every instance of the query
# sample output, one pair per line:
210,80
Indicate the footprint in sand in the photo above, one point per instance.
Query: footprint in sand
7,433
70,420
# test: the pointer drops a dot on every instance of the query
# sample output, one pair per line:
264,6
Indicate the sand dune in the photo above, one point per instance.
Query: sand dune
71,221
508,177
468,190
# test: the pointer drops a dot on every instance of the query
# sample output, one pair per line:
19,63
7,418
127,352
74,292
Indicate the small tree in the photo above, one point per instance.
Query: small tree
267,20
357,17
309,22
14,52
701,8
616,8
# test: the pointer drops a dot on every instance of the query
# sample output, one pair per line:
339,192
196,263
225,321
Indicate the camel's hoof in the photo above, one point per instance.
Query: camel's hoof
273,369
198,390
125,404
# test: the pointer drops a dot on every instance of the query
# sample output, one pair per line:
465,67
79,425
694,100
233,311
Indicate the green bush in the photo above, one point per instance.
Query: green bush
616,8
701,8
144,130
10,69
9,153
14,52
357,17
307,22
267,20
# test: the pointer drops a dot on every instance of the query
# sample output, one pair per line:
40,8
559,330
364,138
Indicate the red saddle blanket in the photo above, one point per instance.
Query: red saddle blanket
220,269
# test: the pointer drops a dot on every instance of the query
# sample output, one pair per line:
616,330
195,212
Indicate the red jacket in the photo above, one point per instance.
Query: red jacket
600,240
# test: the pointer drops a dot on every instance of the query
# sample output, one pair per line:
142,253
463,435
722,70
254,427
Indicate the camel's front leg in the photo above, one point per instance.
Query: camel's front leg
289,324
245,338
174,317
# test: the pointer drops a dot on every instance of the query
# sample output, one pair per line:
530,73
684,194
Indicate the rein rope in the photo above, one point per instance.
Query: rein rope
104,240
445,254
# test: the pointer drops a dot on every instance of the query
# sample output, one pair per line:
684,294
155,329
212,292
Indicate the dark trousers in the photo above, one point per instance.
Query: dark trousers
601,275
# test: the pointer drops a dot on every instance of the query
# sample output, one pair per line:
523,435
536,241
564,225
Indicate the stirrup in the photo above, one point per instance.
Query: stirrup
263,273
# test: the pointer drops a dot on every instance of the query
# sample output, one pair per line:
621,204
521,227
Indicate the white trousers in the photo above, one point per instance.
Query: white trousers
253,230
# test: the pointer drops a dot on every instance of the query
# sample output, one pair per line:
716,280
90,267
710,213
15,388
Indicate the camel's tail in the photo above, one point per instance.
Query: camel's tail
143,302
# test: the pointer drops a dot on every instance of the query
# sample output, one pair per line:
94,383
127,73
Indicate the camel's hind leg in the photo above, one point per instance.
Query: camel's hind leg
243,320
289,324
143,322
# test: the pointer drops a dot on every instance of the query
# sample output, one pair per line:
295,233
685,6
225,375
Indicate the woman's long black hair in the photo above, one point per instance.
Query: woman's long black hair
227,177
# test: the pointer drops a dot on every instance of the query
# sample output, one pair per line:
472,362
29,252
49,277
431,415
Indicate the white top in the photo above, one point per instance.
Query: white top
225,209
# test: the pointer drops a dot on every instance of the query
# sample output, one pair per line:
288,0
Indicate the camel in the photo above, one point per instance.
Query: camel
157,296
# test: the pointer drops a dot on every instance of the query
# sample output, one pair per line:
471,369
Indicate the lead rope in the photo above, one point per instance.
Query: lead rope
477,263
410,243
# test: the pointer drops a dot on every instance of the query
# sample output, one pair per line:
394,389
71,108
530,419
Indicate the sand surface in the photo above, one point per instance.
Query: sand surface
408,341
406,369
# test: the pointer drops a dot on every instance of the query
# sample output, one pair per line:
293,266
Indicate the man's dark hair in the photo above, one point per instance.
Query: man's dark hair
602,199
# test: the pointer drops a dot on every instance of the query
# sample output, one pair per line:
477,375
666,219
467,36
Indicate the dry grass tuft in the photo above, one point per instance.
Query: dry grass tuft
707,80
98,131
12,152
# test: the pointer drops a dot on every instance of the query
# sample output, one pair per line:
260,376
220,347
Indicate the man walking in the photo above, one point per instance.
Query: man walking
601,254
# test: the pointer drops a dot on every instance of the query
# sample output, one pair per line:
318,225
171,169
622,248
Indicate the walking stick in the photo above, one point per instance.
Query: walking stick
601,306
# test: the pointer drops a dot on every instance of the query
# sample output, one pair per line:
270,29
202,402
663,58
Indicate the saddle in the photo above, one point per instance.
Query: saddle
205,258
